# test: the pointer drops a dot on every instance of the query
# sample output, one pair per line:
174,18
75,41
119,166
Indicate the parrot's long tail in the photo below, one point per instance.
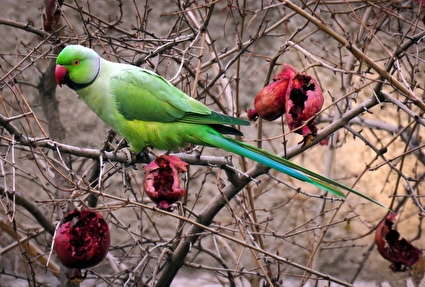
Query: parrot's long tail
283,165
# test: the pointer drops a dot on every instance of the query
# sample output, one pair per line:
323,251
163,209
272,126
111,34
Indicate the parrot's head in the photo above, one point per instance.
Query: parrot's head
77,67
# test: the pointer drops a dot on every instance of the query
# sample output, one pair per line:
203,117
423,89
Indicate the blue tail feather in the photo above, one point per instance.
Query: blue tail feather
283,165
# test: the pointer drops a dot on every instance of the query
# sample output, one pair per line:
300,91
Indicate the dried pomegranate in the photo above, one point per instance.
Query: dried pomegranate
162,183
269,103
297,95
400,252
304,99
82,240
51,21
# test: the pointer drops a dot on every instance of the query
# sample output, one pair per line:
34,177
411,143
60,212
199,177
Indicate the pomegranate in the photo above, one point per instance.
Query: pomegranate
162,183
269,103
399,251
82,240
304,99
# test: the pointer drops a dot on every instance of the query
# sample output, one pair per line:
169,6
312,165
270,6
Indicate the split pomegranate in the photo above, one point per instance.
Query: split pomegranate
162,183
82,240
269,104
304,99
400,252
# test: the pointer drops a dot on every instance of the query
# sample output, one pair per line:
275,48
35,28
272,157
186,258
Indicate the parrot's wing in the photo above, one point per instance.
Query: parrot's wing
213,119
143,95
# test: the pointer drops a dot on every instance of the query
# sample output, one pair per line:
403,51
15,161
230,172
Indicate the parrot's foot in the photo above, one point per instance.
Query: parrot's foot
148,150
130,158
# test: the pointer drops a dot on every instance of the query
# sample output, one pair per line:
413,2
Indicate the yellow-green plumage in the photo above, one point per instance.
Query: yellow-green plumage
147,110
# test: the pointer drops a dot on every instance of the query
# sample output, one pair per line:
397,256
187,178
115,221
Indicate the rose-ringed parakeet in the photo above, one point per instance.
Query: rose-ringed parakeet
148,111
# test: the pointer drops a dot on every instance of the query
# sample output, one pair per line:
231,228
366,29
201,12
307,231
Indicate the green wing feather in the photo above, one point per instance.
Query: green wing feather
146,96
212,119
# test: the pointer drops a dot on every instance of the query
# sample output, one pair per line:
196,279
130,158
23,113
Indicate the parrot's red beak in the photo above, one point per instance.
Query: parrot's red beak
60,74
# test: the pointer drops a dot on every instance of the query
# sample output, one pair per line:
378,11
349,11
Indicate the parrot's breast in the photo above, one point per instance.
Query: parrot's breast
164,136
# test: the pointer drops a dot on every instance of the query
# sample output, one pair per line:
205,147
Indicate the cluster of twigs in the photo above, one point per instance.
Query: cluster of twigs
248,225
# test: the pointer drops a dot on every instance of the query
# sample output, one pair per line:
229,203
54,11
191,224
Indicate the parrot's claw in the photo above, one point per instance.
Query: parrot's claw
148,150
130,158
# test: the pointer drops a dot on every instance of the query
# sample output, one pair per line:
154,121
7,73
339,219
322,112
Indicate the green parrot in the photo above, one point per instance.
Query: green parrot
148,111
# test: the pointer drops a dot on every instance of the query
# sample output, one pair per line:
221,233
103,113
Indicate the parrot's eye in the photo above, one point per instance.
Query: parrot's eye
76,62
